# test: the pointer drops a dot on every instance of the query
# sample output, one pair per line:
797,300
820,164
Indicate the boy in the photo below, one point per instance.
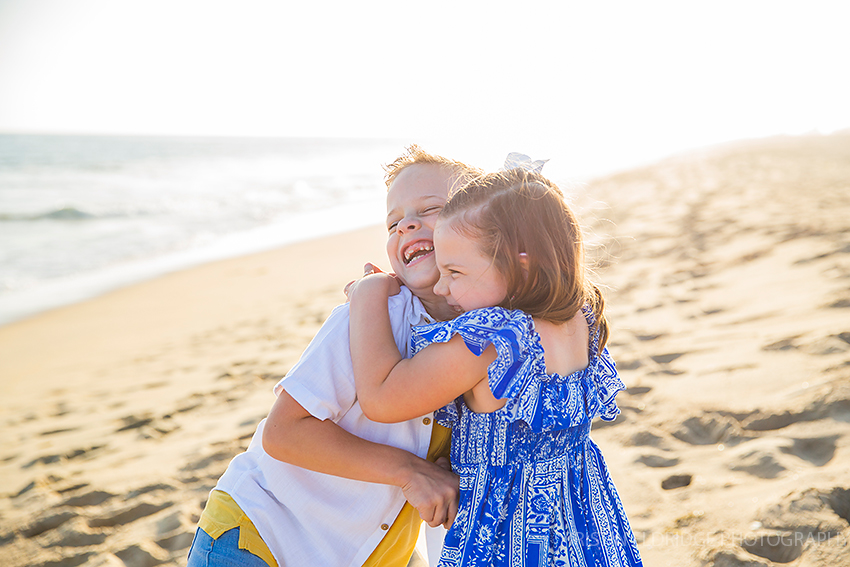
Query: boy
320,484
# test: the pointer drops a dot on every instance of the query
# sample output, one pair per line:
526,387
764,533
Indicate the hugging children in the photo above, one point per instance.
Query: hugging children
518,376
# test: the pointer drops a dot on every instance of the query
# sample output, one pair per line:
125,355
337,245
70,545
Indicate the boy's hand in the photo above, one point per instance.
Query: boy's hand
433,490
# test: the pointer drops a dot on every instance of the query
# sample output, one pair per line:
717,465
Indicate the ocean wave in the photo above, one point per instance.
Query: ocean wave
65,213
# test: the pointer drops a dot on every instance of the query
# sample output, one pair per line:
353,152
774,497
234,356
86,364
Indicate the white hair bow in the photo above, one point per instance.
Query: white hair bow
516,160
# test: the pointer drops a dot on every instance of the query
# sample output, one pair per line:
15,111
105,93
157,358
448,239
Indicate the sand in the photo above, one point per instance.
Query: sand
727,278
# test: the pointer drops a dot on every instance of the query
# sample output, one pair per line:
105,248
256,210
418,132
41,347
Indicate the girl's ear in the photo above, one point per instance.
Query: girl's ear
523,262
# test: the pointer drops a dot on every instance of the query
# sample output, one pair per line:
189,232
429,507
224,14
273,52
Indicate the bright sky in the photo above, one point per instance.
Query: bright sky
592,78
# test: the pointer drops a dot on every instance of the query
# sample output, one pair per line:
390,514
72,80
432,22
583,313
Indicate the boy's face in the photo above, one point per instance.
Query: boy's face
414,201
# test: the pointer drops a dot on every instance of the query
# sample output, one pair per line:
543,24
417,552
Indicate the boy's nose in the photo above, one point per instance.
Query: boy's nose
408,224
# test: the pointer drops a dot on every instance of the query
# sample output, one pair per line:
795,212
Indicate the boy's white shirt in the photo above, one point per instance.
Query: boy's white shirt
310,518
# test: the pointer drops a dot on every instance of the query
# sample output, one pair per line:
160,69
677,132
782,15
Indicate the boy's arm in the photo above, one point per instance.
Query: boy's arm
294,436
392,389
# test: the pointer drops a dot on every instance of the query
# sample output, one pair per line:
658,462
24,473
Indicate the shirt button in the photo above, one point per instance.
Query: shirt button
426,421
385,527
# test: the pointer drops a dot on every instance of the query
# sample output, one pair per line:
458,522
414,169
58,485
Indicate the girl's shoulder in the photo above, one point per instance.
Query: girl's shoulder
479,328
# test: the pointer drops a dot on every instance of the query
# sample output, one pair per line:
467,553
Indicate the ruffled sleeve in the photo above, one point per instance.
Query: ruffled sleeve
508,331
608,384
544,402
554,402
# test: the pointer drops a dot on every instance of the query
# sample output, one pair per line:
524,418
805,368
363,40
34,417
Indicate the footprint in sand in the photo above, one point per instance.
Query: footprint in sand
842,303
810,511
676,481
663,360
647,439
648,336
176,542
709,429
657,461
832,344
629,364
771,422
667,358
788,343
57,431
43,460
835,405
75,534
803,522
127,515
134,422
93,498
72,488
53,459
839,501
776,547
204,462
818,451
142,554
157,487
757,462
46,523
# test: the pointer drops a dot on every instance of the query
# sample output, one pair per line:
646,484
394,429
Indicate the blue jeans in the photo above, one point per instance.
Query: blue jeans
221,552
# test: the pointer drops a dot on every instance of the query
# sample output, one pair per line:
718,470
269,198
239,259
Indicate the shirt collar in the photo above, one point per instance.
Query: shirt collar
418,315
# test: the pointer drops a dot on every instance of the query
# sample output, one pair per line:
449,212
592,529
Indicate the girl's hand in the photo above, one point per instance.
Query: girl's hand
368,269
384,285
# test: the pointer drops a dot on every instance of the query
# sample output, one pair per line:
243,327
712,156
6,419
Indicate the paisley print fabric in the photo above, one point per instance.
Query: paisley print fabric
534,488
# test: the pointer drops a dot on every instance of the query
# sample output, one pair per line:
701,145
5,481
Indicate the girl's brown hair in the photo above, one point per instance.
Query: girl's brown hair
519,212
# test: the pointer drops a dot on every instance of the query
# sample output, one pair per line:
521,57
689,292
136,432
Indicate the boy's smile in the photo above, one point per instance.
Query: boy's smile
416,251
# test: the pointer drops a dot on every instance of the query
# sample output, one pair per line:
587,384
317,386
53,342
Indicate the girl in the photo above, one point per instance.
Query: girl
526,360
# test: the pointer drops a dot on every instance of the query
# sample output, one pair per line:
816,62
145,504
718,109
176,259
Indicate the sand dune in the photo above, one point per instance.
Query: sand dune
728,289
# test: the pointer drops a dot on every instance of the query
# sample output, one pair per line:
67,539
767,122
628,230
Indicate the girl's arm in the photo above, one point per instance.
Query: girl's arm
295,436
392,389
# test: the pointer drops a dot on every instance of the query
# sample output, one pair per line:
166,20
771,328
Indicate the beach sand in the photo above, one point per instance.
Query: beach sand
727,279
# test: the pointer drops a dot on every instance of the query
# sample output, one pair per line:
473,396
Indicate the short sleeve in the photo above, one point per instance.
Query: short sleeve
544,402
322,380
508,331
607,384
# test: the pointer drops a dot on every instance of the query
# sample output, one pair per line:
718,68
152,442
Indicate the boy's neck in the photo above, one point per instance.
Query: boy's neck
438,308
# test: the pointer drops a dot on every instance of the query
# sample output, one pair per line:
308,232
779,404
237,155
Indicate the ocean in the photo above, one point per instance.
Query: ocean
81,215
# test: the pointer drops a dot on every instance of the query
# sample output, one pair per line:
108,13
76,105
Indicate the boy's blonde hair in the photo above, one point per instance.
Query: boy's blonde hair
415,155
515,213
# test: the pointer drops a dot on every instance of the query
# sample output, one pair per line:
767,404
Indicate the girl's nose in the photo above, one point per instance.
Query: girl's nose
441,289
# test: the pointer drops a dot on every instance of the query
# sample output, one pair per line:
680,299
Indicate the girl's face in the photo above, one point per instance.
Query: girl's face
468,279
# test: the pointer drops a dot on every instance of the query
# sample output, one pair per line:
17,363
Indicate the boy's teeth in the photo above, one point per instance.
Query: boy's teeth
414,250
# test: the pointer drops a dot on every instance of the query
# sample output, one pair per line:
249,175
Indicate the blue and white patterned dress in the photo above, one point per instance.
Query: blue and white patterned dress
534,489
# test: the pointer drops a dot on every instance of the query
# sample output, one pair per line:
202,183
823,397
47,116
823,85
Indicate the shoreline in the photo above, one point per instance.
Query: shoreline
68,290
